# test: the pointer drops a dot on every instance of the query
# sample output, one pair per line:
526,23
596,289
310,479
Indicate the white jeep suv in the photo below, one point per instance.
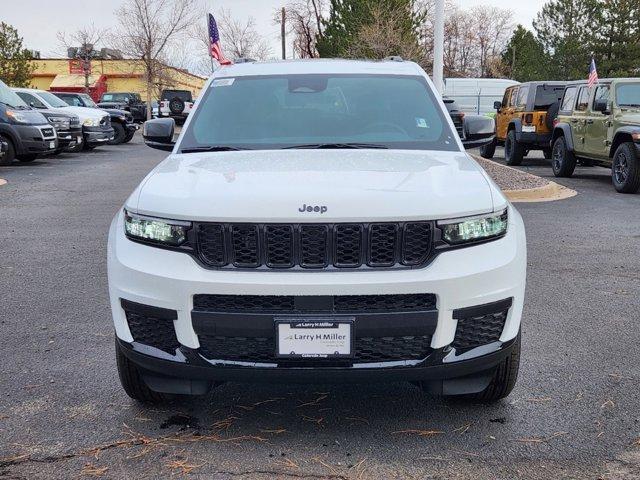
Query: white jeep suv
317,221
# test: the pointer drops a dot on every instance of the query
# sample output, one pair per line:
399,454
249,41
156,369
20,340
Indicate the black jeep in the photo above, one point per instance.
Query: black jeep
131,102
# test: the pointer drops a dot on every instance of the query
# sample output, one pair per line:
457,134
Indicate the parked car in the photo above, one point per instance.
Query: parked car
67,127
96,123
26,132
122,122
317,220
129,101
176,104
600,124
524,121
457,116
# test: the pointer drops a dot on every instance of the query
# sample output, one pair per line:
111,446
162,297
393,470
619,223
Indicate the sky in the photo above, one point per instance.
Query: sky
38,21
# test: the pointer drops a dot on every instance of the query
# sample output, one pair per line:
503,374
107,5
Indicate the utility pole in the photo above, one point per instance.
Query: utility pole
283,33
438,47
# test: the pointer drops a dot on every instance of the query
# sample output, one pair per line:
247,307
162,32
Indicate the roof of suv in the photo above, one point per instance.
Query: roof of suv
319,66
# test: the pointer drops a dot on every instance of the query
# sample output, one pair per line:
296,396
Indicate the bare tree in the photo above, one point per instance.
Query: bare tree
493,29
82,46
304,21
148,29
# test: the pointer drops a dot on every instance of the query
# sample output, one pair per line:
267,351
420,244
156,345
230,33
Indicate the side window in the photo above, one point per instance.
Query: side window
521,100
507,96
602,93
583,100
569,99
514,95
31,100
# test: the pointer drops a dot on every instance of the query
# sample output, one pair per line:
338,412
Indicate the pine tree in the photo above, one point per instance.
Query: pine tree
566,29
525,57
16,66
617,47
348,18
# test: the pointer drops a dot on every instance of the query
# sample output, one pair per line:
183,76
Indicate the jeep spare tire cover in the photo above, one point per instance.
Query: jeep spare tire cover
176,105
552,113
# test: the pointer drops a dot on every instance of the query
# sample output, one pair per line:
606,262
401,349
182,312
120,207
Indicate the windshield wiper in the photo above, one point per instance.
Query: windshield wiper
632,105
212,148
320,146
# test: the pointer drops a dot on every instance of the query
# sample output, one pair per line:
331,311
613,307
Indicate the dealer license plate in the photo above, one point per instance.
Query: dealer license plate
529,128
314,338
52,145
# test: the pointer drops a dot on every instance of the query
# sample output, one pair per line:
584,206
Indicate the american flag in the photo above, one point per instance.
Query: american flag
593,74
214,43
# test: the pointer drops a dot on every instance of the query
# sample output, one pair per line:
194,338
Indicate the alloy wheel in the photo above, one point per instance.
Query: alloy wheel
621,168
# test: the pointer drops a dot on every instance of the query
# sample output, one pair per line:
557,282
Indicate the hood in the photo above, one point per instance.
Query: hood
353,185
83,112
120,105
629,117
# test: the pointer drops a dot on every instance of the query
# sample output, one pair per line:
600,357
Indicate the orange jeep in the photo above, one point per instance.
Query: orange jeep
524,121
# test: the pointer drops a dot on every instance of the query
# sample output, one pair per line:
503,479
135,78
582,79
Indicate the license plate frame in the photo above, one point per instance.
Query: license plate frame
316,348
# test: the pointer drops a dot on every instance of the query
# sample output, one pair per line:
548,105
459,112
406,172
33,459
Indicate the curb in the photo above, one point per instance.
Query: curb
546,193
549,193
2,182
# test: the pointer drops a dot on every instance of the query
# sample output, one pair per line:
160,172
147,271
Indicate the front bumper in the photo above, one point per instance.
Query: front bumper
97,135
486,274
70,138
38,139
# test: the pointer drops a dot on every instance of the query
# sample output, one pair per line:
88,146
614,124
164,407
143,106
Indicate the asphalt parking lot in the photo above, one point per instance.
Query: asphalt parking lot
574,414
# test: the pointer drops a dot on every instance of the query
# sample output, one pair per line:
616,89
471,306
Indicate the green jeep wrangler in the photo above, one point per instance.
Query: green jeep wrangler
600,125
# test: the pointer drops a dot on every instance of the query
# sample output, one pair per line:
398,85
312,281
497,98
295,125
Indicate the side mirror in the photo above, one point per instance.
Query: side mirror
478,131
601,105
497,105
158,133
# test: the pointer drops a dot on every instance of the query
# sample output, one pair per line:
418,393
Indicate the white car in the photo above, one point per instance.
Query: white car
96,123
317,221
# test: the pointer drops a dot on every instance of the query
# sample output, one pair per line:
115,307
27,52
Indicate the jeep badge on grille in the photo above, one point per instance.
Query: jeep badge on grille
312,208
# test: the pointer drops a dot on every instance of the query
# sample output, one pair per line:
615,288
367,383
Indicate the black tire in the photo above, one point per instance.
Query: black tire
119,134
26,158
129,137
503,381
563,162
77,148
625,171
488,150
132,381
547,153
10,155
514,151
176,105
552,113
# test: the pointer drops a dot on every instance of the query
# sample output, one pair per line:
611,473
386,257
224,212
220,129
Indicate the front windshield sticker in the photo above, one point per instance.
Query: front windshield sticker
421,123
223,82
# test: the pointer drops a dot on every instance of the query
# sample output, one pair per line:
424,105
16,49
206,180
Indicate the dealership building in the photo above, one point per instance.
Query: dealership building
114,75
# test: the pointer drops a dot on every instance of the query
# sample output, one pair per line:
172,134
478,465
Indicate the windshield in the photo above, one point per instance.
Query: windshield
115,97
628,95
52,100
273,112
88,101
10,98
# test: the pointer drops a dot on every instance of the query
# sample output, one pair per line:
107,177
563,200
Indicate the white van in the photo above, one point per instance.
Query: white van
476,95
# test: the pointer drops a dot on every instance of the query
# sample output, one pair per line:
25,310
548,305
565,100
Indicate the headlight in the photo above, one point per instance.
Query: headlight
18,117
90,122
59,122
156,230
474,229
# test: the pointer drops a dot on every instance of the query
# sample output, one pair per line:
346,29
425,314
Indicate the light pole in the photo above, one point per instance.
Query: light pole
438,47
